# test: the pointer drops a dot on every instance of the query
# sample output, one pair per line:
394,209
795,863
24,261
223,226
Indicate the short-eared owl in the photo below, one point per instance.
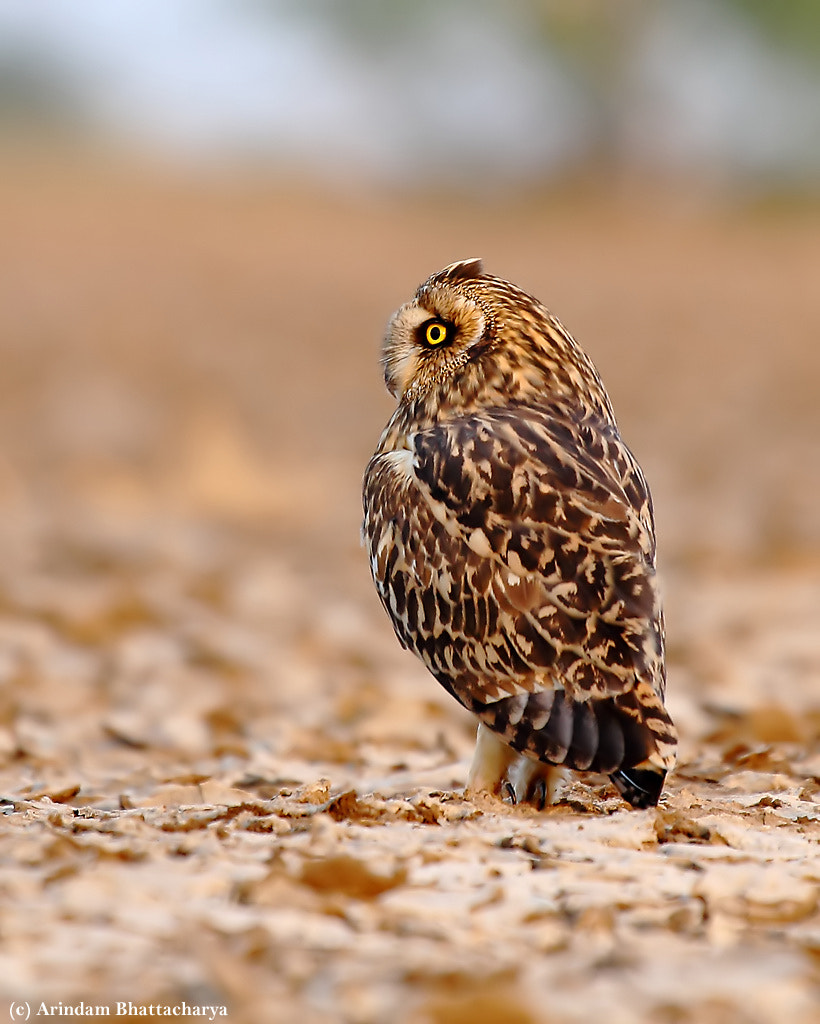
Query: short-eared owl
511,541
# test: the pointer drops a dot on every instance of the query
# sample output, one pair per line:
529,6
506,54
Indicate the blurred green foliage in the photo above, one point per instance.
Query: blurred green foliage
794,24
585,29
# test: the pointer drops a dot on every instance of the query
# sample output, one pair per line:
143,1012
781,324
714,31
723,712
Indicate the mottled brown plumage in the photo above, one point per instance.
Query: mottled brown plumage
511,540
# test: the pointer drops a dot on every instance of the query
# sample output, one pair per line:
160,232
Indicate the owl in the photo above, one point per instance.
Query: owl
511,540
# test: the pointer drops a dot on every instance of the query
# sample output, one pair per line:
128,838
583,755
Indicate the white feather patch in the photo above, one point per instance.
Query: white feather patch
477,541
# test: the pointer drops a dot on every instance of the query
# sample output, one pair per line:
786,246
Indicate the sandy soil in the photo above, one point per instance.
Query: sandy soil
223,782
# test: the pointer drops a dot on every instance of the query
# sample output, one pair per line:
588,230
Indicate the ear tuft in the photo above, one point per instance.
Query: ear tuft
463,270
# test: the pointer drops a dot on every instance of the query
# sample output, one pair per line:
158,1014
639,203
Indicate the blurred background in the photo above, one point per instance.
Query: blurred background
473,94
208,210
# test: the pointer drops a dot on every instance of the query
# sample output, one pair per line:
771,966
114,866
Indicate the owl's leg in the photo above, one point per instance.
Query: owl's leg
502,771
491,762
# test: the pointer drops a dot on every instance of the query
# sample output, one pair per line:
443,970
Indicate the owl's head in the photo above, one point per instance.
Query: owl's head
468,339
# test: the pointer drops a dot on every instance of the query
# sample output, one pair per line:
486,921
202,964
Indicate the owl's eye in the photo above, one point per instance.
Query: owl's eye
436,333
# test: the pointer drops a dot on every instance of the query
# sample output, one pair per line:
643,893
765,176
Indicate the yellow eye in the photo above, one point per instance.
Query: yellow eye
436,333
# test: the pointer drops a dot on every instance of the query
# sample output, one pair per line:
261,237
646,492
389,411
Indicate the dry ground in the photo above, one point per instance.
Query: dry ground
223,781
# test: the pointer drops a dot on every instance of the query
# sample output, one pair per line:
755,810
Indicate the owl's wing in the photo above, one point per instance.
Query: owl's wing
515,555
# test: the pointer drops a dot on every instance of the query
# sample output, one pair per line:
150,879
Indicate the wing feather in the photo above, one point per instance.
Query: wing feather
514,551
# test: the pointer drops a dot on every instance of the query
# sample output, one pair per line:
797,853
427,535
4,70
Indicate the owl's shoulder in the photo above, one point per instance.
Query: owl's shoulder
518,455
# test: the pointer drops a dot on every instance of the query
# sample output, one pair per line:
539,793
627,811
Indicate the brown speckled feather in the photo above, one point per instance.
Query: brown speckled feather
511,536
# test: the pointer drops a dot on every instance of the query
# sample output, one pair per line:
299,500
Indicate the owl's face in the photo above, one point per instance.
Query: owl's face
430,340
468,339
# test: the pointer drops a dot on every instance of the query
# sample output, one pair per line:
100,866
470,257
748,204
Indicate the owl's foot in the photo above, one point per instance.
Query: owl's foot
538,797
502,771
531,782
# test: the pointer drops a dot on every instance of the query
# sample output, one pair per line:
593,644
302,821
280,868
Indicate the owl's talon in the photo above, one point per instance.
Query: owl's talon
538,794
508,794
